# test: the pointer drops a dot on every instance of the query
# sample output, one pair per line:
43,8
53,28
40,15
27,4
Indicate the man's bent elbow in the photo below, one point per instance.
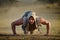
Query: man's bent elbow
49,24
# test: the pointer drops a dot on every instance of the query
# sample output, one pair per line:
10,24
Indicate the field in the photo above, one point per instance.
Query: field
10,13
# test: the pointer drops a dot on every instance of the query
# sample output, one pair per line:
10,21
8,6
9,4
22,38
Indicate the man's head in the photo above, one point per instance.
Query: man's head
31,20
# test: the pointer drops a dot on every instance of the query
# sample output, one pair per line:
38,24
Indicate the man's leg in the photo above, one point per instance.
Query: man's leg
24,25
24,29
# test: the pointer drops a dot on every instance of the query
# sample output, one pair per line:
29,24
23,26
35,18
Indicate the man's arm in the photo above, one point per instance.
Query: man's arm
45,22
16,23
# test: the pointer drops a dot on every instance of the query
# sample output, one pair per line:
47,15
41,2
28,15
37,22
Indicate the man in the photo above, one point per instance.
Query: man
29,18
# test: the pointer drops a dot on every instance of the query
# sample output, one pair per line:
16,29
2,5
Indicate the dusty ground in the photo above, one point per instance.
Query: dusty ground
29,37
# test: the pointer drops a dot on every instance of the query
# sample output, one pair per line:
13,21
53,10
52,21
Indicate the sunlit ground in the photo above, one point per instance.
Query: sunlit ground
8,14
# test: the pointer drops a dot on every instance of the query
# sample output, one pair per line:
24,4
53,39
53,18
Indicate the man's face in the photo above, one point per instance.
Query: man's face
31,20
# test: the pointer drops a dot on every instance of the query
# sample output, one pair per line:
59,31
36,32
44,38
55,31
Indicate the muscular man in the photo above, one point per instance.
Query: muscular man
28,17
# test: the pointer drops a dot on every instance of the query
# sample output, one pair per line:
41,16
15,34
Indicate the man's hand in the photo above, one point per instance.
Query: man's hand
46,35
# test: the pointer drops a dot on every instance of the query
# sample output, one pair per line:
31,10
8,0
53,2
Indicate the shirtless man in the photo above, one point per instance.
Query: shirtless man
25,19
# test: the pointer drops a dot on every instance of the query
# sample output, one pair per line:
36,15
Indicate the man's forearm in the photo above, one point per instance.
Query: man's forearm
47,28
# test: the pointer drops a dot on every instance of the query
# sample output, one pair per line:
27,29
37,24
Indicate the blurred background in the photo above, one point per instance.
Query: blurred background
11,10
